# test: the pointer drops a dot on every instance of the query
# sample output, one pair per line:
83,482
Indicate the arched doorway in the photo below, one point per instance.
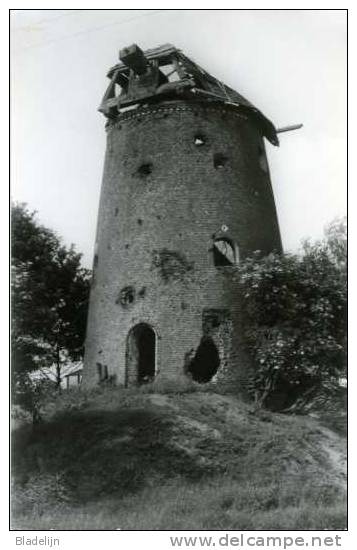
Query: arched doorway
140,355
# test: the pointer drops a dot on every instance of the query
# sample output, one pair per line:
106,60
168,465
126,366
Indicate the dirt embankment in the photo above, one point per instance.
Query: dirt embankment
118,445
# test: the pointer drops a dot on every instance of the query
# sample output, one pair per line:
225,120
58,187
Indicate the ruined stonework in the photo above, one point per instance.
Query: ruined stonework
186,195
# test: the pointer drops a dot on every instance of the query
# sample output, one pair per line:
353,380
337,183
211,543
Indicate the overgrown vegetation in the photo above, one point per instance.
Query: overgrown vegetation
49,295
295,309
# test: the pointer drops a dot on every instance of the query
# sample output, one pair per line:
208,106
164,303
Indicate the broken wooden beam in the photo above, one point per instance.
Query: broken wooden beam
289,128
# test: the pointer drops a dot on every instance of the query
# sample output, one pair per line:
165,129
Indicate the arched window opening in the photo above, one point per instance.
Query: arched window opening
224,253
206,361
141,354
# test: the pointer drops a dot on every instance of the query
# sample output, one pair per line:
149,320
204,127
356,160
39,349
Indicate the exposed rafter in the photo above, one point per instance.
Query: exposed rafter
165,73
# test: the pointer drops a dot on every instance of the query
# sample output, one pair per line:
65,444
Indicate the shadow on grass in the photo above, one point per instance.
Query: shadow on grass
98,453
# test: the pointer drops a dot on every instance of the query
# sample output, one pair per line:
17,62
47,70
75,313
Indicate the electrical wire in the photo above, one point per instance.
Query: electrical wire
80,33
69,13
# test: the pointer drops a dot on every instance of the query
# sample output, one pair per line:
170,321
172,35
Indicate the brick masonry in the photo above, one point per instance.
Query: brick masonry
176,176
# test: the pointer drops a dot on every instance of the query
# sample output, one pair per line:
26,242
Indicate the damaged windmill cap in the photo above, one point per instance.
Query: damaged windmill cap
165,73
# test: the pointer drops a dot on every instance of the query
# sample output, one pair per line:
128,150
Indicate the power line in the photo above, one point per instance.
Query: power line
116,23
68,13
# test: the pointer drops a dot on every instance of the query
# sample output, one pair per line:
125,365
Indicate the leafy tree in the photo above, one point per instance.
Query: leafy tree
50,293
296,311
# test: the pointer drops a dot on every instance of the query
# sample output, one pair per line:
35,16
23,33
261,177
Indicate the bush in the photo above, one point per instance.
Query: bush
31,395
296,311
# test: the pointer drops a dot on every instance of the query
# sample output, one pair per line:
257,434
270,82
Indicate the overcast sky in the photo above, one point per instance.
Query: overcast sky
290,63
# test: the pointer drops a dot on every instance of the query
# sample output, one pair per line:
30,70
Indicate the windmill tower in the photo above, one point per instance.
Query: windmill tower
186,195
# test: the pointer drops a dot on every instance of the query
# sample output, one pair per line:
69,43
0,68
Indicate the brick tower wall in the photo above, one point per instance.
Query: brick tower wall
176,175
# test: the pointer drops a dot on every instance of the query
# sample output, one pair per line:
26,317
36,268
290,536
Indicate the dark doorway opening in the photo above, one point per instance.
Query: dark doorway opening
206,362
141,354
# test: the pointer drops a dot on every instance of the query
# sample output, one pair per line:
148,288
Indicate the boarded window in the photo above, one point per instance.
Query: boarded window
223,253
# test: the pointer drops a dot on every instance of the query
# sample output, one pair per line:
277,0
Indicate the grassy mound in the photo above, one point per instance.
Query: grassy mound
116,458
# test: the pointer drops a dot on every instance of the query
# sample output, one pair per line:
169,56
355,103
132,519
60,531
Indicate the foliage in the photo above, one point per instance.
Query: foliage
296,310
30,394
50,293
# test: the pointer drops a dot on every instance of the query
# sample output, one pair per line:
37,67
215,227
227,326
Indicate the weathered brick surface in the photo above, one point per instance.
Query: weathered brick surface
162,203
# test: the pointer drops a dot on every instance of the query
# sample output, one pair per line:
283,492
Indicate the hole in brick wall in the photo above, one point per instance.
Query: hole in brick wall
145,170
156,259
142,292
219,160
158,217
140,221
116,211
95,261
206,362
127,246
199,140
126,296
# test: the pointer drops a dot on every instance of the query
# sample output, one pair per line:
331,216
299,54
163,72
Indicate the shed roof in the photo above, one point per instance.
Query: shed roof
74,372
